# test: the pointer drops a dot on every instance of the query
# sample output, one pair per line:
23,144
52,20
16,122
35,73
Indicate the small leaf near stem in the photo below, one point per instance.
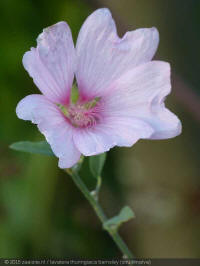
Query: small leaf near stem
40,147
124,216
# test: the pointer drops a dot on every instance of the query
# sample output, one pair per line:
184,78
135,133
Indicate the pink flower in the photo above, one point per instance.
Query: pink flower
121,91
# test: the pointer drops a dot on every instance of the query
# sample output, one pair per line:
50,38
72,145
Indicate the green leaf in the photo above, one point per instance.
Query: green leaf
125,215
41,147
96,164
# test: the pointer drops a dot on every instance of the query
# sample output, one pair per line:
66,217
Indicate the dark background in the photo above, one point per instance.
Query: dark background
42,214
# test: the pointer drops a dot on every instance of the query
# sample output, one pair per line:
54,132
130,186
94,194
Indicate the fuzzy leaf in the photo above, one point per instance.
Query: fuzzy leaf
125,215
40,147
96,164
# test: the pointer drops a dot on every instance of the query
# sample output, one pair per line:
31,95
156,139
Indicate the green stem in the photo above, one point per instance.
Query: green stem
100,213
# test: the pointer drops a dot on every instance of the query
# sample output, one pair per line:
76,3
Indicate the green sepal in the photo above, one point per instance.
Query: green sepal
96,163
40,147
74,94
125,215
78,165
63,109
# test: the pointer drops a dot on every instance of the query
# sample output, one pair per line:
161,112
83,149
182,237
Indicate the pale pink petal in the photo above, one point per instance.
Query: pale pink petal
52,63
92,141
102,137
103,57
53,125
140,94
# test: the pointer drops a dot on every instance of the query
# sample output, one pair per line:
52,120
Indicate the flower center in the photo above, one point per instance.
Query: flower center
82,115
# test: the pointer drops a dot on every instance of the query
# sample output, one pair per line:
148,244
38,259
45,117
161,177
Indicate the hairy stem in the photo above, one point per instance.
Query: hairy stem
100,213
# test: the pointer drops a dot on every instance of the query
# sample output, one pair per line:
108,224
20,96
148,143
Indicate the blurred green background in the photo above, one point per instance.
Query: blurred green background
42,214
